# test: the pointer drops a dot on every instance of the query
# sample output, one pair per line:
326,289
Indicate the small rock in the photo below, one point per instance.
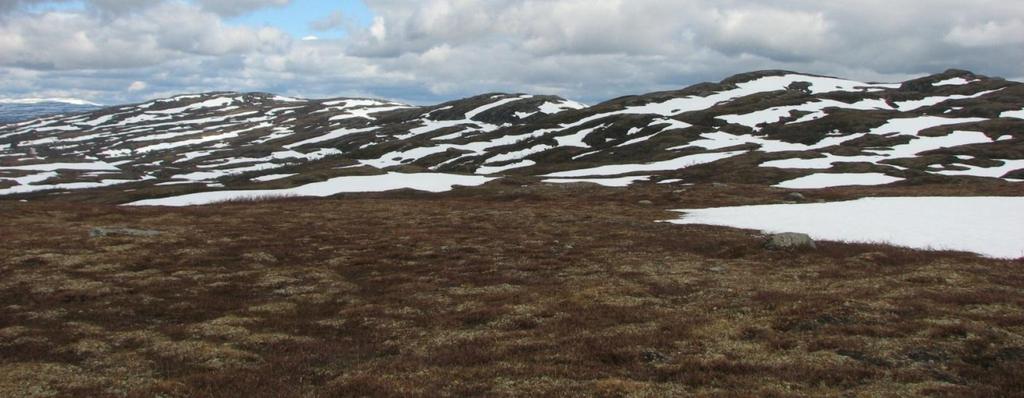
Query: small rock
653,356
795,197
645,203
718,269
101,232
789,240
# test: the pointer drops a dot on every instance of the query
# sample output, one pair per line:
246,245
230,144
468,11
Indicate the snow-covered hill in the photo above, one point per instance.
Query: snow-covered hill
771,127
22,109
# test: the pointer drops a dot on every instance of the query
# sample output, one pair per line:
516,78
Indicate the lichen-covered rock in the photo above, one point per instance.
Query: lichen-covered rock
789,240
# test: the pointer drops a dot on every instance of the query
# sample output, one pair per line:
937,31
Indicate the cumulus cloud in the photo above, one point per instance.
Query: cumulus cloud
597,49
433,50
74,40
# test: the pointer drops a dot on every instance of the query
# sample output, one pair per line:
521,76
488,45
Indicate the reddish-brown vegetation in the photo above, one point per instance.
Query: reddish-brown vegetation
508,294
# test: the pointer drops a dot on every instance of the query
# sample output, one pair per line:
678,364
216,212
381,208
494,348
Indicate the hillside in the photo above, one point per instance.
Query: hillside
778,128
20,110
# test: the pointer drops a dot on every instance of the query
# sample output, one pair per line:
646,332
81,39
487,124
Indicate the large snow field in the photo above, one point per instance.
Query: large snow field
990,226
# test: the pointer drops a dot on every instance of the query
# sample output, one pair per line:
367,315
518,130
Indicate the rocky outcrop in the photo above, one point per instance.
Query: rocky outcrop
789,241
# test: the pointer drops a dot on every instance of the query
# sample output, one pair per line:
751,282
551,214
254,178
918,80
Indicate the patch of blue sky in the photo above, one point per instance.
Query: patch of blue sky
46,6
297,17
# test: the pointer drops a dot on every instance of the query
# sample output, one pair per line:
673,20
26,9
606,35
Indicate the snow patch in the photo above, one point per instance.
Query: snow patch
906,106
551,108
994,172
33,101
672,164
956,81
488,170
986,225
504,157
495,104
915,146
63,166
719,140
816,108
827,180
430,182
1015,114
576,139
272,177
210,103
616,182
329,136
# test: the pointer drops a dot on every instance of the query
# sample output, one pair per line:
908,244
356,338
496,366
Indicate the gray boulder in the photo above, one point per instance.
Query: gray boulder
795,197
789,240
101,232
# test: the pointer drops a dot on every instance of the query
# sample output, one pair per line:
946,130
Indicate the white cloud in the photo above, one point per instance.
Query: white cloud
73,40
137,86
772,33
988,34
432,50
378,31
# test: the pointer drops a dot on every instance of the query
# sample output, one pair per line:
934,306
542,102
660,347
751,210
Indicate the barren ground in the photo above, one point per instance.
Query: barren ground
567,291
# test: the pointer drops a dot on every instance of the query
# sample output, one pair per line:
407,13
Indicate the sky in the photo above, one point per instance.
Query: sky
430,51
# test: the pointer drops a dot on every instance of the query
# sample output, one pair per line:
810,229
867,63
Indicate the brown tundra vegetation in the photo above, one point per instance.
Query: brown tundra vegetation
509,291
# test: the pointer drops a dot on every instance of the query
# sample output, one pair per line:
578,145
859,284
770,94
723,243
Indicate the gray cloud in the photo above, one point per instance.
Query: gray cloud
220,7
239,7
430,50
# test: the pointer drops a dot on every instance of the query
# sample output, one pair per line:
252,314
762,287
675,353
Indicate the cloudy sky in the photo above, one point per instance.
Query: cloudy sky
427,51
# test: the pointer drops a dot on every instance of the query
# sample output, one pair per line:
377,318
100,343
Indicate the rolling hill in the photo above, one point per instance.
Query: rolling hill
19,110
777,128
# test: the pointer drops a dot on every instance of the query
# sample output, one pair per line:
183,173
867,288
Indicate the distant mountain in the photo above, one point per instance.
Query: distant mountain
780,128
17,110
